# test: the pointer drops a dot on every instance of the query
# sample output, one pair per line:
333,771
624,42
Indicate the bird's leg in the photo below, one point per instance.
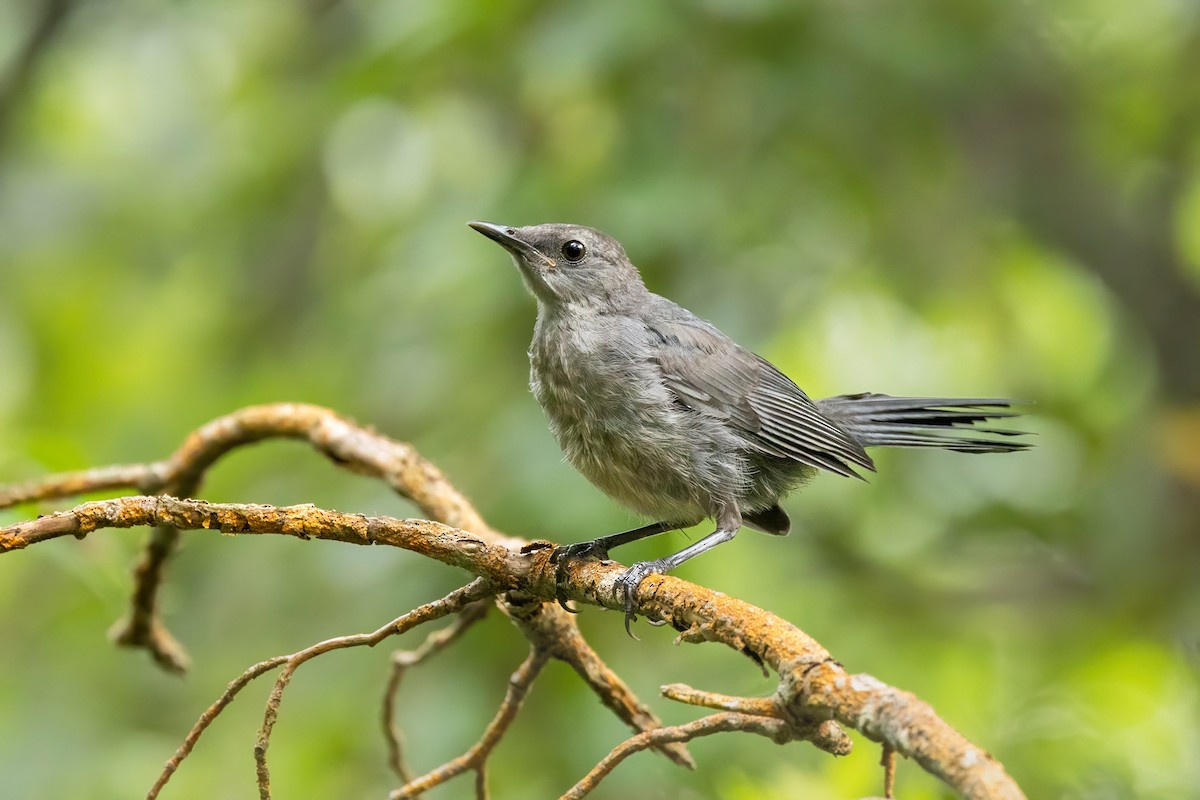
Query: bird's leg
729,521
599,547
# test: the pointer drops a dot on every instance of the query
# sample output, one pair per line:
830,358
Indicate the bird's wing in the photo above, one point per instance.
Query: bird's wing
710,374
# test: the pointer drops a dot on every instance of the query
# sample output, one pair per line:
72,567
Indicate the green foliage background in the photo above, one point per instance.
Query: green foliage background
205,205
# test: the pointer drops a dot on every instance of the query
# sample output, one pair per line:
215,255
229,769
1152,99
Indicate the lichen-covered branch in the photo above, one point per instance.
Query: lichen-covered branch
340,440
350,447
813,687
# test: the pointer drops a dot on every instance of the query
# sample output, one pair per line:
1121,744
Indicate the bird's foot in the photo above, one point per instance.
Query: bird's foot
596,548
629,582
561,555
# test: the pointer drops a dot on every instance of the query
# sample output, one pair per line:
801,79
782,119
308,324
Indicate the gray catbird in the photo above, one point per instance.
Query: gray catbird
672,418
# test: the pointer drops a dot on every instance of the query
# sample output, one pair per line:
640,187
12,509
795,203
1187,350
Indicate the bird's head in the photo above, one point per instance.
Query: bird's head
569,265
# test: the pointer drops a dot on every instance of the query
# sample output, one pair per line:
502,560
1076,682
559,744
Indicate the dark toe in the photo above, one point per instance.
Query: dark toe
628,584
592,549
564,554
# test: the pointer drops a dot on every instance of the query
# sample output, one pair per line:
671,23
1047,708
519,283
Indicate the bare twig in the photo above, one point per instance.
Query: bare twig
454,602
401,661
776,730
888,761
73,484
476,757
759,706
208,717
142,627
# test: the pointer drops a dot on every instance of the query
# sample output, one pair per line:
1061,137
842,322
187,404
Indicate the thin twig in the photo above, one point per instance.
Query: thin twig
722,722
888,761
402,660
207,718
142,627
758,706
476,758
453,602
72,484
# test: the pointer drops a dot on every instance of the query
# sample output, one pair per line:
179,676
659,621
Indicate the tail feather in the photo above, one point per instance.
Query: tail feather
879,420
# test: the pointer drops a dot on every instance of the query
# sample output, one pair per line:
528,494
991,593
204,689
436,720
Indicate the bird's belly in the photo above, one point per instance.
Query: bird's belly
635,445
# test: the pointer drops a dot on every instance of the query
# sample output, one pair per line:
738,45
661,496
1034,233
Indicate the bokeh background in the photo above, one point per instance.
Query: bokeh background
205,205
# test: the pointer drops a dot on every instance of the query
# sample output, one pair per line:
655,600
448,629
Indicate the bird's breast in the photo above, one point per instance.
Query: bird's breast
613,419
585,382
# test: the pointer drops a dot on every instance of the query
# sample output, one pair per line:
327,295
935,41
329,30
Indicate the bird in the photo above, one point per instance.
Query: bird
673,419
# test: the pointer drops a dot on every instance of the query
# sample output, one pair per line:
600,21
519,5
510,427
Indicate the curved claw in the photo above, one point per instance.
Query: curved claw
561,556
560,578
629,582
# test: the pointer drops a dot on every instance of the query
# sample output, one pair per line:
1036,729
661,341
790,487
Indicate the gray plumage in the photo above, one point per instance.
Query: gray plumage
669,416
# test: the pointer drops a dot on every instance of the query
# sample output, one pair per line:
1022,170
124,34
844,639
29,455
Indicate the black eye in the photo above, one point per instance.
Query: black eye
573,250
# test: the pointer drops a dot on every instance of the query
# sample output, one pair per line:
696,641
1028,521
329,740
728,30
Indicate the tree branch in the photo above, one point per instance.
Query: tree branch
358,450
813,687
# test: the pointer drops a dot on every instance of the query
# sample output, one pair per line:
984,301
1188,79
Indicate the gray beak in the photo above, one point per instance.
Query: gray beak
506,237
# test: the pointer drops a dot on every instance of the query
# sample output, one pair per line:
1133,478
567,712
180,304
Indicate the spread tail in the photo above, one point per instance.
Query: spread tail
878,420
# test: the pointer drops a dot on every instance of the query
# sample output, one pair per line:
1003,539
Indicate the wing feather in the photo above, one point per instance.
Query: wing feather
710,374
